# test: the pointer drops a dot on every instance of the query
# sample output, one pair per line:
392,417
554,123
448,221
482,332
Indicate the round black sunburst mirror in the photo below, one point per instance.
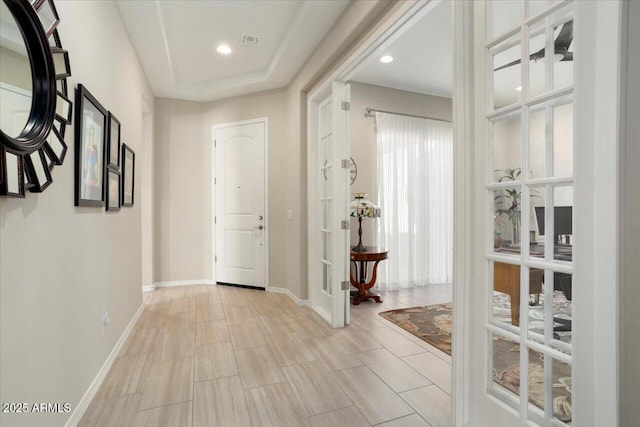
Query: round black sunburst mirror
35,108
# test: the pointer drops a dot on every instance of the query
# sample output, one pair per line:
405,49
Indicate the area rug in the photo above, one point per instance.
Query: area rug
433,325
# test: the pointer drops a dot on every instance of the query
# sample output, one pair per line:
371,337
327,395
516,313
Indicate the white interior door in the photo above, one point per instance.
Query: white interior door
240,200
537,302
328,236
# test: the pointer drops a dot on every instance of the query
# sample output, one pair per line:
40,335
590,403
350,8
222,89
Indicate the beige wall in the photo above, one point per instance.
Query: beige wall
62,267
183,176
363,136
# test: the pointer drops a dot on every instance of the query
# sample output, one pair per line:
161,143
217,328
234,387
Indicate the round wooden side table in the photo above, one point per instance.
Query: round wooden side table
361,261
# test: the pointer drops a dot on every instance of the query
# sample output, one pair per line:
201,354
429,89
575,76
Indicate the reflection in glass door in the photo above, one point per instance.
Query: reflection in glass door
530,188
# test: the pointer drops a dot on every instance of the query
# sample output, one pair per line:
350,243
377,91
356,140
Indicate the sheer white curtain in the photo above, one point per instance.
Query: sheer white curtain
415,192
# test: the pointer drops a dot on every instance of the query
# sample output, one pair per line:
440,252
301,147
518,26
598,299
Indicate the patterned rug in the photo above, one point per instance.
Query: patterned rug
433,325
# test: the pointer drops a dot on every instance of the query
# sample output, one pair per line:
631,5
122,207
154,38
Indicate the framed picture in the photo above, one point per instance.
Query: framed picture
90,136
128,174
113,190
113,144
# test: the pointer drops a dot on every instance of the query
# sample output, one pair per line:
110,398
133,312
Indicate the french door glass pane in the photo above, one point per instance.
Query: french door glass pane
534,7
563,140
561,389
536,221
537,62
505,306
506,219
326,278
507,82
535,308
536,385
563,223
503,16
562,311
507,148
505,364
537,142
563,58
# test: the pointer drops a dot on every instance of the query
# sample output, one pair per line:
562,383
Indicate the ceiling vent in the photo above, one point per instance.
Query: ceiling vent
249,40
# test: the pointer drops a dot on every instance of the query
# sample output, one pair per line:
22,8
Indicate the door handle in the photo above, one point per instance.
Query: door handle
259,227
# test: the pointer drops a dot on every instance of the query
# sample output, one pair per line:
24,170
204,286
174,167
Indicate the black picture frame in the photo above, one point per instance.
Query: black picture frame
113,142
112,199
128,175
90,149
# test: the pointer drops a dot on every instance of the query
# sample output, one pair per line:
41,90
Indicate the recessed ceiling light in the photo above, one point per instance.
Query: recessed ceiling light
519,88
224,49
386,59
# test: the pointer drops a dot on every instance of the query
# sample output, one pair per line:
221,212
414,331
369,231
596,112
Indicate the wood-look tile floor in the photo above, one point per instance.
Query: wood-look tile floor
226,356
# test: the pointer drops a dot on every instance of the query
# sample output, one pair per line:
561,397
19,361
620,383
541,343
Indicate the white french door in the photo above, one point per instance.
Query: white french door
536,308
240,204
328,206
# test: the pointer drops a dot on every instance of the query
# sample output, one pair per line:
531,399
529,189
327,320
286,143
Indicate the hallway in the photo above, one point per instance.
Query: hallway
221,356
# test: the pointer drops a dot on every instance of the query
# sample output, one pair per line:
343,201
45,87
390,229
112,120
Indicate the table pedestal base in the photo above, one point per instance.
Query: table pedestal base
357,298
359,279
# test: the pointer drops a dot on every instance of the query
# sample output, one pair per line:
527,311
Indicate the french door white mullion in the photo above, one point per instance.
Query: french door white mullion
491,46
502,111
549,351
537,182
508,332
505,326
558,266
550,96
493,114
503,332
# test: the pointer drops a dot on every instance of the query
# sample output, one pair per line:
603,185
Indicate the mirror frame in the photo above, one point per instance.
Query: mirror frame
41,44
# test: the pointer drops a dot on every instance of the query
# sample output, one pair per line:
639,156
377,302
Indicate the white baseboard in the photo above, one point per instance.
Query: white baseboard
82,406
148,288
184,283
290,294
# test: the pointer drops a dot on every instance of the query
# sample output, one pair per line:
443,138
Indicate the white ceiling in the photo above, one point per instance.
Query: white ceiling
422,57
423,62
176,43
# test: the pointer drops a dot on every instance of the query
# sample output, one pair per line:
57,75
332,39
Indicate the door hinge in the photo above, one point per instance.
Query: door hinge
215,181
344,224
215,143
346,163
345,285
345,105
215,219
216,258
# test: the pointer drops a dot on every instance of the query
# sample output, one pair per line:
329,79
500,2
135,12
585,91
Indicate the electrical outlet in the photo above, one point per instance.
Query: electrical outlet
106,321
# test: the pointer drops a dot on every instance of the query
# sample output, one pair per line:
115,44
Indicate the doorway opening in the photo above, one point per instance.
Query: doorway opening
367,94
402,145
